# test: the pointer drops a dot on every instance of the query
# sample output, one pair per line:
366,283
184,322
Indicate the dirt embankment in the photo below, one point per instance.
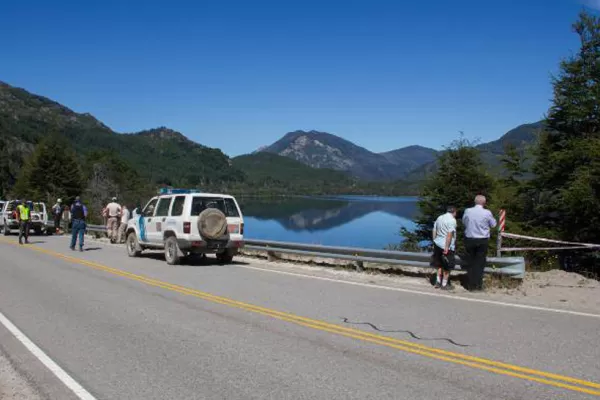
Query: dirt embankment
555,289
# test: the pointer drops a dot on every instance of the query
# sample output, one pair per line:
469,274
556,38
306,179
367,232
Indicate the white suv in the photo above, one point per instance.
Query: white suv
38,218
183,222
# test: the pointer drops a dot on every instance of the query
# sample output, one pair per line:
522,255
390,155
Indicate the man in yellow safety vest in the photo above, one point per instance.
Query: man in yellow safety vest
23,217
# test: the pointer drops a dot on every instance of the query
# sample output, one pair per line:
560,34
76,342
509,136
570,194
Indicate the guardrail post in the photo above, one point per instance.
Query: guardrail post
359,266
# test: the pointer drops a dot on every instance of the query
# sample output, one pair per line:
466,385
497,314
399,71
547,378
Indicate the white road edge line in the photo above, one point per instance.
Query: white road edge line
370,285
60,373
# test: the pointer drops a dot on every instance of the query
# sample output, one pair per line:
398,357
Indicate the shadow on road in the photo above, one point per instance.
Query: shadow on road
461,280
36,242
92,248
192,261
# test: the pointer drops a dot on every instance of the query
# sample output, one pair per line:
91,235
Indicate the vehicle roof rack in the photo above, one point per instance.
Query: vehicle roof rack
177,191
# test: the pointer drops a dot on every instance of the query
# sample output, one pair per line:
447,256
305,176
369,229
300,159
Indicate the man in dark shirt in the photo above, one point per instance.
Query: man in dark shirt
78,216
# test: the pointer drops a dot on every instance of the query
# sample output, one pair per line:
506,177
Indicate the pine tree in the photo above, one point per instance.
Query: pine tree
567,185
4,169
51,172
513,162
459,177
510,191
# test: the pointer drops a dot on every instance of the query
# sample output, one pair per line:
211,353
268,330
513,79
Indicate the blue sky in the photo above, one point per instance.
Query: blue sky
239,74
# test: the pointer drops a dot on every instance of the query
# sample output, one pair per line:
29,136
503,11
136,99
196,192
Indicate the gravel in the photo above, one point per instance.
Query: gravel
13,385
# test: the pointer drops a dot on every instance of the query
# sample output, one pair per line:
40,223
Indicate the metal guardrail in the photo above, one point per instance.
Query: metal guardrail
511,266
96,228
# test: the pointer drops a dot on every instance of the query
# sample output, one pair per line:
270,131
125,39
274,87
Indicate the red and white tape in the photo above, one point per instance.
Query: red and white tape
572,245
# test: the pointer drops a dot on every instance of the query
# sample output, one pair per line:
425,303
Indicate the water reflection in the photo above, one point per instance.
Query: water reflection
360,221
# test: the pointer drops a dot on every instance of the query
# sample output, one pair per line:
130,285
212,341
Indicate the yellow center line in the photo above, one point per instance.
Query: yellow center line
515,371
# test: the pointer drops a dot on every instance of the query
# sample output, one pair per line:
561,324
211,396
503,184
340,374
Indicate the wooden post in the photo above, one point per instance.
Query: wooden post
501,226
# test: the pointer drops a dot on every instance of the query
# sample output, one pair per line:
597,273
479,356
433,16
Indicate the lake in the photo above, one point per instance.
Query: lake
356,221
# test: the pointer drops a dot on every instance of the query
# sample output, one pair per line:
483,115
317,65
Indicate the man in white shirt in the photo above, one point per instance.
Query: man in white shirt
113,212
124,219
444,242
57,211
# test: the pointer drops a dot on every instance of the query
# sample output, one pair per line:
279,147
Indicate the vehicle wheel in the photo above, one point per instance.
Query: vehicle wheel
6,231
172,251
133,246
225,258
38,231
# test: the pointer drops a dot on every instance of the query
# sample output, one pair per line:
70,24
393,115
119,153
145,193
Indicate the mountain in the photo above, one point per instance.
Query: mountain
522,137
160,155
411,156
275,172
412,163
272,166
300,162
324,150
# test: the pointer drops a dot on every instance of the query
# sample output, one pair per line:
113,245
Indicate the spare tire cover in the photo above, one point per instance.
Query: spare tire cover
212,223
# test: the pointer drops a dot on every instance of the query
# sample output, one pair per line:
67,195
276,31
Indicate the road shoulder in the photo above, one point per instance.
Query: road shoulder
556,290
23,376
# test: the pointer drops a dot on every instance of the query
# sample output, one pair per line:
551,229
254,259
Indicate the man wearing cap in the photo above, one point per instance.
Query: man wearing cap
23,213
78,217
113,212
57,214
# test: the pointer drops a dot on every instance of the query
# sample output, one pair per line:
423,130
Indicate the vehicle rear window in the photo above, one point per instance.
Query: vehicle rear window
227,206
232,210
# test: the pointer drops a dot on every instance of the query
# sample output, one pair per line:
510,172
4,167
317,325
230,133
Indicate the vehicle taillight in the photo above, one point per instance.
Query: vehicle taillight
242,228
187,227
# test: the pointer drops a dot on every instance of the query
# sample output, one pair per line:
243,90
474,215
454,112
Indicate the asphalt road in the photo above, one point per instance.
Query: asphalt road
128,328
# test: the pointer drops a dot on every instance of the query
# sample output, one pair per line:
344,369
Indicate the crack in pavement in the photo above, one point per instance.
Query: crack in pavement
347,321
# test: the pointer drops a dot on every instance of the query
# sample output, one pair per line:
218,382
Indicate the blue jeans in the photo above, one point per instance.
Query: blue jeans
78,228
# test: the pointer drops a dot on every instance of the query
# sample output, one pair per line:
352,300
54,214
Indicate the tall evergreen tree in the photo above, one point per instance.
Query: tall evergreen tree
459,177
566,190
4,169
51,172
